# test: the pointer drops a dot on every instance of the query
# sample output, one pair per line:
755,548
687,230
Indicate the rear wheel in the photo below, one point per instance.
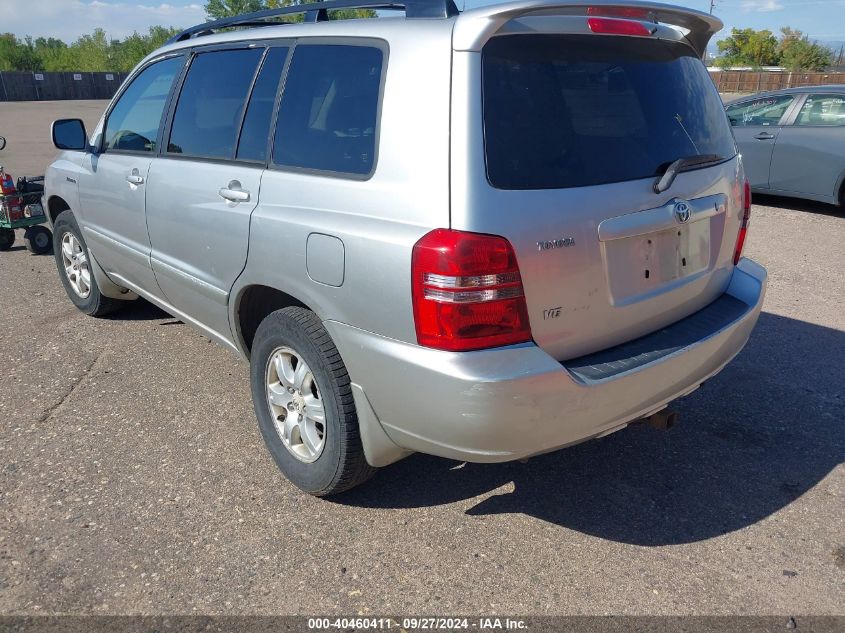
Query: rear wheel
7,238
38,239
303,401
74,266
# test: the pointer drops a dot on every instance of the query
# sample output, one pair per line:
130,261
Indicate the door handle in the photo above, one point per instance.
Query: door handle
135,177
234,193
764,136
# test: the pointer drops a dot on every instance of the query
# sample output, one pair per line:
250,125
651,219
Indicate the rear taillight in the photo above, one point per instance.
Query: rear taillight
614,26
467,292
743,227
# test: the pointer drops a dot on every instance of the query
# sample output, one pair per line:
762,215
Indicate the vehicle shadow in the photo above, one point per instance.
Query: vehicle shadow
139,310
797,204
752,440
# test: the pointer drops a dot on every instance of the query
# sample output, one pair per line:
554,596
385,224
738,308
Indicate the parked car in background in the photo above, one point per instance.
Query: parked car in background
793,141
484,235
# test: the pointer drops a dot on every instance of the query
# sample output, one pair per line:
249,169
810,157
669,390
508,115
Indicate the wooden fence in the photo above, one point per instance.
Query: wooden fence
750,81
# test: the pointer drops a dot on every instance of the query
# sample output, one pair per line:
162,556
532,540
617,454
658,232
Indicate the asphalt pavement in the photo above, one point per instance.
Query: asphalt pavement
133,478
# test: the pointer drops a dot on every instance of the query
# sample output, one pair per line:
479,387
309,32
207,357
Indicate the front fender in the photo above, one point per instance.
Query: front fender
61,181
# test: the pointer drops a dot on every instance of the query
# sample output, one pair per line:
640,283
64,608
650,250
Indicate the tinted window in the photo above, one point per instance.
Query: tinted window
822,110
760,111
327,120
256,128
576,110
135,120
211,103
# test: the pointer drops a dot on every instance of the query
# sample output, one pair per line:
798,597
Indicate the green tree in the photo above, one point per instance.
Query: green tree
135,47
797,52
18,55
216,9
747,47
53,54
93,53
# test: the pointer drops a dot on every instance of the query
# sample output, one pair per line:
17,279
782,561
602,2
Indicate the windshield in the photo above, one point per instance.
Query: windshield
576,110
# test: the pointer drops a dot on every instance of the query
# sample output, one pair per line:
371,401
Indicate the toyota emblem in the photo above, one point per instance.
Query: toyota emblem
682,211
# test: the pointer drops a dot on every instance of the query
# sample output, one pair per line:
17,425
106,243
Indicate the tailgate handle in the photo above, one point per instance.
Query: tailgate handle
764,136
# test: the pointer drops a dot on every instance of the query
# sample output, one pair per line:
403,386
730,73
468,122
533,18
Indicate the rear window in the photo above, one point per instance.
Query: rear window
577,110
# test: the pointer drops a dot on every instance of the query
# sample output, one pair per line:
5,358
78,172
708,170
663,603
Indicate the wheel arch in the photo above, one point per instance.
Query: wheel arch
252,305
55,205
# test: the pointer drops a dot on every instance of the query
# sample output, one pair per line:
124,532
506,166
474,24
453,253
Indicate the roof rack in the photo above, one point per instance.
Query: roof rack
319,12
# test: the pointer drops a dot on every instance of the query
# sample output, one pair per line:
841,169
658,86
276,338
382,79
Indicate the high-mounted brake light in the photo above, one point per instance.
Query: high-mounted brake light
620,12
746,217
614,26
467,292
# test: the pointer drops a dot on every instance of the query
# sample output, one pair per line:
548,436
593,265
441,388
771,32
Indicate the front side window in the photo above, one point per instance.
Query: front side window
822,110
764,111
329,110
134,122
578,110
208,114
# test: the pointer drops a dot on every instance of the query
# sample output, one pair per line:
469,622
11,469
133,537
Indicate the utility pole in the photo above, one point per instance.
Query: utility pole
712,6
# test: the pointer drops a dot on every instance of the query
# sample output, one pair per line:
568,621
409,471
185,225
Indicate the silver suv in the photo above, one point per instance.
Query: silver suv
481,235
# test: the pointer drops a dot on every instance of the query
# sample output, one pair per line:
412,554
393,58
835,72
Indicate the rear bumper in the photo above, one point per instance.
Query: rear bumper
514,402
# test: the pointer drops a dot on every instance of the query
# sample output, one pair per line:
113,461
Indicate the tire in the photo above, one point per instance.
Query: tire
87,296
339,464
7,238
38,240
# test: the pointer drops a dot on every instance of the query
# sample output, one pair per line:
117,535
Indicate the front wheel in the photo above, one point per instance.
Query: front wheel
73,262
303,401
38,239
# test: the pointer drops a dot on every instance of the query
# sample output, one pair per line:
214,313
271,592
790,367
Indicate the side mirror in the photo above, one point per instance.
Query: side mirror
70,134
2,142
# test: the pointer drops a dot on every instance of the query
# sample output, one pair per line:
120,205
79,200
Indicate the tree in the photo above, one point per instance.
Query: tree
747,47
797,52
18,55
216,9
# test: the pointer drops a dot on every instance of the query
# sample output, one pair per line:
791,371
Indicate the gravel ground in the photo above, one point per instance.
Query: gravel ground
133,478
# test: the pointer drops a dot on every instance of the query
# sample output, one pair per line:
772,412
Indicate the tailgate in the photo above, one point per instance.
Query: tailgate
575,131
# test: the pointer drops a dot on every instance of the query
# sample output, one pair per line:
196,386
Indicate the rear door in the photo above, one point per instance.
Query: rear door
757,123
575,131
203,188
809,157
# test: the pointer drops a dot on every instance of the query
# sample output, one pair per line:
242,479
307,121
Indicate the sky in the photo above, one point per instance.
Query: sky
67,19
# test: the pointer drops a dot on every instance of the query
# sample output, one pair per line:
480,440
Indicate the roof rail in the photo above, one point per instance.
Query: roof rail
318,12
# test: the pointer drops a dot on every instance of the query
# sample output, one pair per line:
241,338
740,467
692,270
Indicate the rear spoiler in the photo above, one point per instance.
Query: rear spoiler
474,27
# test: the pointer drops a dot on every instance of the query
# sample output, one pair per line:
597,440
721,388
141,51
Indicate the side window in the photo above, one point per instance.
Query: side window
135,120
211,102
822,110
259,112
329,111
762,111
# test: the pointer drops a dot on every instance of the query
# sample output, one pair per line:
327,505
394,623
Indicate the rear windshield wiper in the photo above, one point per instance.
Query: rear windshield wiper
699,160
